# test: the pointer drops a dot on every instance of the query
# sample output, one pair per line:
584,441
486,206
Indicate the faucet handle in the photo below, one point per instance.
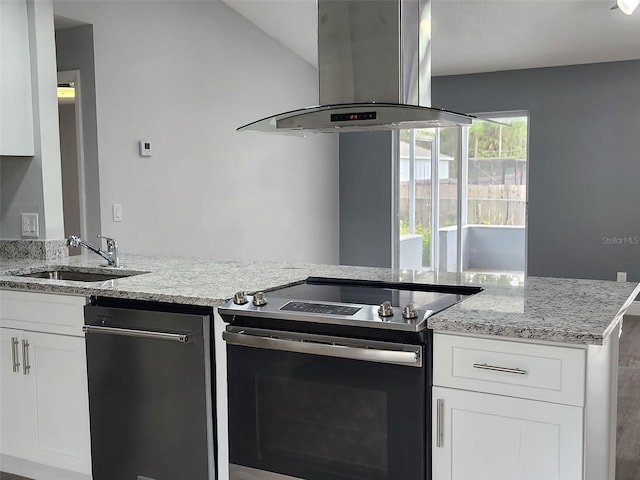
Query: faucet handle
111,242
112,251
73,241
112,245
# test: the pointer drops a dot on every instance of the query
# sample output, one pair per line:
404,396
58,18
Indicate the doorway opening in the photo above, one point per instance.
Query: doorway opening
72,155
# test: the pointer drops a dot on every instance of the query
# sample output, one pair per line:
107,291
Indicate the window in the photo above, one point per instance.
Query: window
480,209
416,193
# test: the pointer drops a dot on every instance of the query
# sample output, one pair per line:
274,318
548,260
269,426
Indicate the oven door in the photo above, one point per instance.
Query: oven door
324,408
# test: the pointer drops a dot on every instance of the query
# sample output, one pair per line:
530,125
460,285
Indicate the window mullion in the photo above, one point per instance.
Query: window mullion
412,181
435,202
463,148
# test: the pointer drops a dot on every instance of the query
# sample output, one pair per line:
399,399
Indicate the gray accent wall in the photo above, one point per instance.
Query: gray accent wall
366,190
20,192
74,51
584,160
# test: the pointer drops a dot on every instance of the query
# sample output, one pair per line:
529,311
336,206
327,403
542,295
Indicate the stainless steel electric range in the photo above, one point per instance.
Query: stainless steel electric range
330,379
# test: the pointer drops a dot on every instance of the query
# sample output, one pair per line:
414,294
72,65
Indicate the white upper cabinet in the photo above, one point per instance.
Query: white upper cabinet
16,112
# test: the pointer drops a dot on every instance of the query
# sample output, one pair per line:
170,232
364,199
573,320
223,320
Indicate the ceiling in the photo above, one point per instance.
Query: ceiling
471,36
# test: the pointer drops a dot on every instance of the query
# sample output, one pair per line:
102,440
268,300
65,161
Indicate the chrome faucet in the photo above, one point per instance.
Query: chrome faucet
110,255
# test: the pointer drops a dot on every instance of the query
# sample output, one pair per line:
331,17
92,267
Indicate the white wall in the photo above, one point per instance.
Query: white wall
33,184
184,75
44,82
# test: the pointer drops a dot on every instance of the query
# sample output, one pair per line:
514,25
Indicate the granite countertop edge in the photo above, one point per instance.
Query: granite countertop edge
569,311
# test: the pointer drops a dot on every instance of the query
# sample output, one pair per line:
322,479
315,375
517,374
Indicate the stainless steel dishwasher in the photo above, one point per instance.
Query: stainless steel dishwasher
150,390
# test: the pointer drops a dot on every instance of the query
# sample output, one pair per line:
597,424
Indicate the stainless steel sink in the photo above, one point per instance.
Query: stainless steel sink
79,275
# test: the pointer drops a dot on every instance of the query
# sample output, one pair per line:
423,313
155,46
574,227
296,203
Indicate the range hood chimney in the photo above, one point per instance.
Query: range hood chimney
374,67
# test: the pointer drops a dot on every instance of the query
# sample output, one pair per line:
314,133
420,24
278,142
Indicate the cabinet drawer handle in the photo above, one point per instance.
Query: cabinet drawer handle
15,359
439,420
25,357
484,366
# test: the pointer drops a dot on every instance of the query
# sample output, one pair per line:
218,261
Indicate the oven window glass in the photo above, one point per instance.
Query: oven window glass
335,425
324,418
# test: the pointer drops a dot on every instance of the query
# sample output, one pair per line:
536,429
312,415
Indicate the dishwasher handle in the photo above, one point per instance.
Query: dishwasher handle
127,332
352,349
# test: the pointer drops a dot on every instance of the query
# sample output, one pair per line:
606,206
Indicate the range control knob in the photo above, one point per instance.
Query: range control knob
258,299
385,310
240,298
409,312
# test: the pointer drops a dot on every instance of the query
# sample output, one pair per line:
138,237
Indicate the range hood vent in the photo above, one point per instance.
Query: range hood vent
374,68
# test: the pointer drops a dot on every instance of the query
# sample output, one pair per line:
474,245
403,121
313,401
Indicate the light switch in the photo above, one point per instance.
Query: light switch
117,212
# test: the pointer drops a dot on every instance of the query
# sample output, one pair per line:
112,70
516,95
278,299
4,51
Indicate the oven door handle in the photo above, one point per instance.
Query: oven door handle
352,349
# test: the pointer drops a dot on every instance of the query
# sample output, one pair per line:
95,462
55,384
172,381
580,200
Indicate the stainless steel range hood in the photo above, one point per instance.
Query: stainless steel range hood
374,67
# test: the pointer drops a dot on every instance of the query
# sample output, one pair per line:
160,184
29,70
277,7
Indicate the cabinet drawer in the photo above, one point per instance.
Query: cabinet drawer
42,312
539,372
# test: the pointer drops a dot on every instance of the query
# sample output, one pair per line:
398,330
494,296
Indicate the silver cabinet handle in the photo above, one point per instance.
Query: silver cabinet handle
26,367
439,421
15,359
484,366
352,349
126,332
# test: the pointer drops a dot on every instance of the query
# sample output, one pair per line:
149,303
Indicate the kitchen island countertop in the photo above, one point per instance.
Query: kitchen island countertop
569,311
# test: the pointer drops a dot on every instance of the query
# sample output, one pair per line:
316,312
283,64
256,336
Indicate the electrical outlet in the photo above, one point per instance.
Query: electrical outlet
30,226
117,212
621,276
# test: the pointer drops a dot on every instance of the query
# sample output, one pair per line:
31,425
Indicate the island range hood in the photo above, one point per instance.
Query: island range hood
374,68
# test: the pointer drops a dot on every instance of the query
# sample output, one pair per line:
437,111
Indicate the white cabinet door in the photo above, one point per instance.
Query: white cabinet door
478,436
57,401
44,408
16,114
12,394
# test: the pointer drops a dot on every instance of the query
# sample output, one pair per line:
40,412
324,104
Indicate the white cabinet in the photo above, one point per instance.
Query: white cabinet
524,370
44,412
13,412
16,113
492,437
507,409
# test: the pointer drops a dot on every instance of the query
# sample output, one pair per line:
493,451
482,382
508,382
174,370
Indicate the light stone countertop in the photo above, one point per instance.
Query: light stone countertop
536,308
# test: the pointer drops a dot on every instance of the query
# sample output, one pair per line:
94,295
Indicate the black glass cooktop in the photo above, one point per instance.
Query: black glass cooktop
363,292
